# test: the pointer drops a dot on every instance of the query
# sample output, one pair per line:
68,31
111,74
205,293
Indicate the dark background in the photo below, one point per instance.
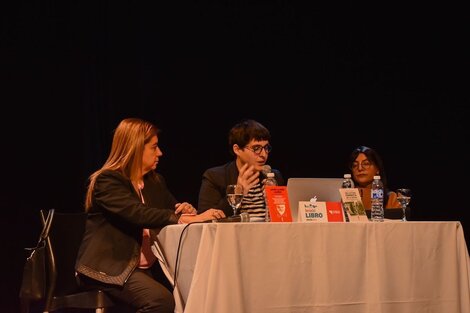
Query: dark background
324,78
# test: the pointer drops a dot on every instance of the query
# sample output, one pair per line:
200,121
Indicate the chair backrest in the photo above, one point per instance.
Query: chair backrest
63,242
62,245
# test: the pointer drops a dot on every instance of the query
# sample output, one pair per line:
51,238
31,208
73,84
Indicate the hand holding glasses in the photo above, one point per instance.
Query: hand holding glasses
404,197
235,197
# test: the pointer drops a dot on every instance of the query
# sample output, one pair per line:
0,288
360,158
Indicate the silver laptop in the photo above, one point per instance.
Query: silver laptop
304,189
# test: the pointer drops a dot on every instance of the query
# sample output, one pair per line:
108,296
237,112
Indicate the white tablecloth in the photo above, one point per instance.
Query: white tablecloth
319,267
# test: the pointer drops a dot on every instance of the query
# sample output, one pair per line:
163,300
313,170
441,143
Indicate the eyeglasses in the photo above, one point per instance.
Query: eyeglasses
365,165
257,149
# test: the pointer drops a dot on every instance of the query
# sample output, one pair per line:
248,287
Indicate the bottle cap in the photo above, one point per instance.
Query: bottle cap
347,175
377,177
271,174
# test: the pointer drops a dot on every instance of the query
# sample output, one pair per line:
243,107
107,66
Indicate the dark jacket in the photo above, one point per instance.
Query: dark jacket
214,182
110,249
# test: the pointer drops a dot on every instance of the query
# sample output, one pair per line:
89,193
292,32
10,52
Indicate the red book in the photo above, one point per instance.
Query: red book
278,203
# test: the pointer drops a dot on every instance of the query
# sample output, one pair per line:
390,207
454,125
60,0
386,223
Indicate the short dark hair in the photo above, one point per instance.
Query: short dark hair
245,131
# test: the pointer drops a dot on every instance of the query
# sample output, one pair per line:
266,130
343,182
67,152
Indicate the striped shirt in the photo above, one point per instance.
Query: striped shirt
253,203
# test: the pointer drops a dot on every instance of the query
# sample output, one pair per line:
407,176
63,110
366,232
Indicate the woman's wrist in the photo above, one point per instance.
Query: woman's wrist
186,218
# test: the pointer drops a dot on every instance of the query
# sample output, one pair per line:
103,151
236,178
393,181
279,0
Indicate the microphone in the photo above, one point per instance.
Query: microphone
243,217
230,219
266,169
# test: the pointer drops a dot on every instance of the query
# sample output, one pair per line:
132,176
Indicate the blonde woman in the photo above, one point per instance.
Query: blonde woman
126,200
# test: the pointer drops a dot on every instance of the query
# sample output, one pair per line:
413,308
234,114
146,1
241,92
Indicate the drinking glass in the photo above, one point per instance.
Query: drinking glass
235,197
404,197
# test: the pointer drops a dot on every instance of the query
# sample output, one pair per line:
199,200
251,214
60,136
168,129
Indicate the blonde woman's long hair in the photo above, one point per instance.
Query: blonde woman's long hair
127,149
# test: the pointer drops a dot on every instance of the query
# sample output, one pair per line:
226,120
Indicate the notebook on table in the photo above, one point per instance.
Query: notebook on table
304,189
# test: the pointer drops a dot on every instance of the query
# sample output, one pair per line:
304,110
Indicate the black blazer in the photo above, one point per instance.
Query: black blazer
110,249
212,193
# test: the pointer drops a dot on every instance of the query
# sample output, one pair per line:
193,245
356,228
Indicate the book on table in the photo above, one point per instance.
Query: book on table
278,203
352,204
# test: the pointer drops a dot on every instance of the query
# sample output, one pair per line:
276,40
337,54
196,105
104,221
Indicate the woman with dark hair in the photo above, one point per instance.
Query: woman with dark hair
365,163
249,144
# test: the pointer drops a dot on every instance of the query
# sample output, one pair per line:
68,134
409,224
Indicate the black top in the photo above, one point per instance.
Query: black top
110,249
213,187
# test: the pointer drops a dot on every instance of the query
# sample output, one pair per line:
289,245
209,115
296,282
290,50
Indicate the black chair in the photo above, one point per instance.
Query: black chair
63,242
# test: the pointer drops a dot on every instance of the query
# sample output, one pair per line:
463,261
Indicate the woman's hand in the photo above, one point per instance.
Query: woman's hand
208,215
184,208
211,214
247,177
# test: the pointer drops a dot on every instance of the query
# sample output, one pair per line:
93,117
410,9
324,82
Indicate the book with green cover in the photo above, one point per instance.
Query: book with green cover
352,204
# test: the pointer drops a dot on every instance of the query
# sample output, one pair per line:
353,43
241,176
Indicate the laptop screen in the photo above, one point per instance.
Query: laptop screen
303,189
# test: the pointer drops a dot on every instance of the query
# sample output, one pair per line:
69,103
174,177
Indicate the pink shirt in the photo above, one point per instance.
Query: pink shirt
147,258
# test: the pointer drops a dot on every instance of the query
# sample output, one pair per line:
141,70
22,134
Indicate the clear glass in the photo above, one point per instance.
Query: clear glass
404,197
235,197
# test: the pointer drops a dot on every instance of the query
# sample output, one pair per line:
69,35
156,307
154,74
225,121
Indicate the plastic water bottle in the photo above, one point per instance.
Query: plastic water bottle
377,200
270,181
347,181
